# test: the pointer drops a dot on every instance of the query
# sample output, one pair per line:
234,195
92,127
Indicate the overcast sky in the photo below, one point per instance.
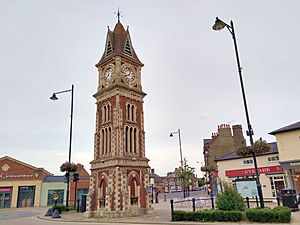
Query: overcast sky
190,73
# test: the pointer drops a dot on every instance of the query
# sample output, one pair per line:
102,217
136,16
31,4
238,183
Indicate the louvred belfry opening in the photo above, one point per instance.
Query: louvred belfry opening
127,48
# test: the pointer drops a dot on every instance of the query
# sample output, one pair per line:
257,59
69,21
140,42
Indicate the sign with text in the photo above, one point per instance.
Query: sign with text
247,188
251,171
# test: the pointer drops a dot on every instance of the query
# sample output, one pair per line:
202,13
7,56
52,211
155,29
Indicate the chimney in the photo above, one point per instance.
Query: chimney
238,137
224,130
152,171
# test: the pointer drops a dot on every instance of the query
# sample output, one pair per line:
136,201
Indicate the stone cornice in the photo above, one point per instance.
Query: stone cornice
122,162
121,90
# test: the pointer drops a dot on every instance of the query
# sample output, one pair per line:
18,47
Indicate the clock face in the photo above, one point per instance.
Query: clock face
128,74
108,76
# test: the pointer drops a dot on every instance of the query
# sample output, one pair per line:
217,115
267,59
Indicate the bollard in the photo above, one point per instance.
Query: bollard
194,204
172,209
49,212
278,201
212,202
248,203
55,214
256,199
78,201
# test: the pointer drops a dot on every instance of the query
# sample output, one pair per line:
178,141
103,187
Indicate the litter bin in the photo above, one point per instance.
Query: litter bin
289,198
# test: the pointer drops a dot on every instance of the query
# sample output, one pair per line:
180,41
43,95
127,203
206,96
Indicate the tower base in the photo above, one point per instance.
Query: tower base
117,214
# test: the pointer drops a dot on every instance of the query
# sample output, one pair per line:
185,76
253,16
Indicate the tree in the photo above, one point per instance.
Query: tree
259,147
230,199
68,167
201,181
185,176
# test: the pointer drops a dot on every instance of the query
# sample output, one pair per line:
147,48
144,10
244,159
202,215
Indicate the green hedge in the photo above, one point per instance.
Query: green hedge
279,214
207,215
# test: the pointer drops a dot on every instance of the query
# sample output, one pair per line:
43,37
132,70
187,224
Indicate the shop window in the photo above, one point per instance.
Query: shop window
247,161
5,197
60,200
26,196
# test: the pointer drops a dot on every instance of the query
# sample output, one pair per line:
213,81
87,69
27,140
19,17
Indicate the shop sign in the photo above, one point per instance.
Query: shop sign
5,189
8,176
251,171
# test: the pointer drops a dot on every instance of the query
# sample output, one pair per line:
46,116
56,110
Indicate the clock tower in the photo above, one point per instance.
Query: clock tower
120,170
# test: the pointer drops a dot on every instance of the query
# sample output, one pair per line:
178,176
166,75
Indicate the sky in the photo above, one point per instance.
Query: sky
190,73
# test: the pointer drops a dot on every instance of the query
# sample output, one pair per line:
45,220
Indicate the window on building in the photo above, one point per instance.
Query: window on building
247,161
131,139
106,112
106,141
26,196
273,158
131,112
60,194
81,192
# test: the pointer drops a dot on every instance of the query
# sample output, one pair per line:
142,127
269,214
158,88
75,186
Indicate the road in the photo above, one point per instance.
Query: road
28,216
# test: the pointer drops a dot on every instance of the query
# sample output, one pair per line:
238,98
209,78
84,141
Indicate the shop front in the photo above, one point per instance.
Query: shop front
292,171
20,183
271,178
240,171
5,197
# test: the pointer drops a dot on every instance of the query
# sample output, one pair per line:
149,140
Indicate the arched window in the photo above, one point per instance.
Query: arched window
106,113
102,193
109,140
131,139
134,140
102,142
130,112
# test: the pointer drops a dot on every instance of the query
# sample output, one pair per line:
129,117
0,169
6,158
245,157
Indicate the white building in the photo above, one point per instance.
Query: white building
240,171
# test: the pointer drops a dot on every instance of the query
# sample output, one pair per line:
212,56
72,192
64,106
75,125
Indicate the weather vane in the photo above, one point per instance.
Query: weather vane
118,14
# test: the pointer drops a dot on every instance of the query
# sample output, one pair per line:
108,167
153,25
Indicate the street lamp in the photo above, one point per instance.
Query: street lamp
181,161
54,97
219,25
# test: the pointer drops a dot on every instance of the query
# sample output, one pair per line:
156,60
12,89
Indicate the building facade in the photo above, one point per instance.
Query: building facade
20,183
240,171
120,170
58,185
288,139
224,141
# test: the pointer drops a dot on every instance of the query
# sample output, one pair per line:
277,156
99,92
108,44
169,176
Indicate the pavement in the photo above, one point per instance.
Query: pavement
159,215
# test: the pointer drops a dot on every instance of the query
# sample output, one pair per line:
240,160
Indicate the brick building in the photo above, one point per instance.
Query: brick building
20,183
120,170
83,184
222,142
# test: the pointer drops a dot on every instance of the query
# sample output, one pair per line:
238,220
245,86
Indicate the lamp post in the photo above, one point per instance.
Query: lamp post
54,97
219,25
181,161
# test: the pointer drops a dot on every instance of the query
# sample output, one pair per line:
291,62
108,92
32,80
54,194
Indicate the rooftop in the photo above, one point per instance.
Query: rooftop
234,155
294,126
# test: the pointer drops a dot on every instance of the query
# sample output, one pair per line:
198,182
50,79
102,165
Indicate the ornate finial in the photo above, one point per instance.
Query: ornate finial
118,14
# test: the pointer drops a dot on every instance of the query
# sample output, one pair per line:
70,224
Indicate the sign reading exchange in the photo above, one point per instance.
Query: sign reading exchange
251,171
